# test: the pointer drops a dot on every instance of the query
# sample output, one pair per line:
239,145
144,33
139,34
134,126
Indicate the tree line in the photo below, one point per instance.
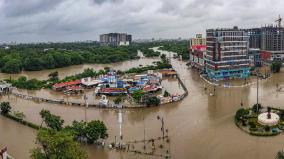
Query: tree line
18,58
35,57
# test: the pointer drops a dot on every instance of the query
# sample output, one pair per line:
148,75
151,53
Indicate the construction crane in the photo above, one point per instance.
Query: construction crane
279,21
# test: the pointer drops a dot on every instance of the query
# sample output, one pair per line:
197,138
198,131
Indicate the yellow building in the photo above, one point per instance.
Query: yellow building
198,40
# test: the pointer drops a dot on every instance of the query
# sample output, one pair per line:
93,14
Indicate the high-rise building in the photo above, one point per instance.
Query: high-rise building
115,39
198,40
227,54
269,39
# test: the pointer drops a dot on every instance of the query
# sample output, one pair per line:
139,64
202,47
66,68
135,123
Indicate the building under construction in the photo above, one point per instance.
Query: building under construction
269,39
115,39
227,54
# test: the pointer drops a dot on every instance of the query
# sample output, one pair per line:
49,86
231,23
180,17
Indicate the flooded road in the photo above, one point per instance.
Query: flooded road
200,126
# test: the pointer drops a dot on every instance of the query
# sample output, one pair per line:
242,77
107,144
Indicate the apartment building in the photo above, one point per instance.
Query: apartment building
227,54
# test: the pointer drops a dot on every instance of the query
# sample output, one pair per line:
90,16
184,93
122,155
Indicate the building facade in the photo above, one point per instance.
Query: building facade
269,38
227,54
198,40
255,57
196,56
115,39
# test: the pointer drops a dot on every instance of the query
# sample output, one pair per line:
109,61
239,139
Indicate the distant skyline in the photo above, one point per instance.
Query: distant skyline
80,20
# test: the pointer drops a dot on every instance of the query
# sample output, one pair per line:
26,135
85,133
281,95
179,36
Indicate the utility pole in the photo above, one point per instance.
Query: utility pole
162,128
257,84
86,106
144,130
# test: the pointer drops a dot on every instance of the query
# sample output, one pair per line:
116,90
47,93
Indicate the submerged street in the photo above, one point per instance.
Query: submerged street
200,126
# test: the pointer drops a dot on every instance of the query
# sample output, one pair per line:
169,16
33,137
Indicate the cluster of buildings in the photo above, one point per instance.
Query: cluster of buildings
228,53
115,39
112,84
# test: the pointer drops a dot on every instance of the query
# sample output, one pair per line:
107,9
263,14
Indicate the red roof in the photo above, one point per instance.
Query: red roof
112,90
199,47
74,88
65,84
150,88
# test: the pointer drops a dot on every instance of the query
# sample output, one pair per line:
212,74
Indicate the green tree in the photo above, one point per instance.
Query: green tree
152,101
164,58
166,94
48,61
276,66
89,132
256,107
53,76
33,64
117,100
61,59
5,108
56,145
76,58
137,95
95,130
241,113
12,66
52,121
78,129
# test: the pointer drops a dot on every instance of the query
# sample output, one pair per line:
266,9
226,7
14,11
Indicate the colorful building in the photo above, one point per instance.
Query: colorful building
196,56
227,54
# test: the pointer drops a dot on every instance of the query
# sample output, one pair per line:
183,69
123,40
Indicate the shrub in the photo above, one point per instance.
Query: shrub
276,66
252,124
5,108
19,115
266,128
152,101
241,113
256,107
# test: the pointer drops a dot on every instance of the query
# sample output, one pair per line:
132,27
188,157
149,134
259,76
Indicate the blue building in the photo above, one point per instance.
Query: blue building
227,54
255,57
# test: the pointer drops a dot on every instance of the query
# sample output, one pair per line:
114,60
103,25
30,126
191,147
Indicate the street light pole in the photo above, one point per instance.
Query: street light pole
120,127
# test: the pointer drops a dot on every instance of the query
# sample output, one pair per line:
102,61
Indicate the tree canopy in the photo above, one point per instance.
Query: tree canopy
34,57
52,121
88,131
57,145
276,66
5,108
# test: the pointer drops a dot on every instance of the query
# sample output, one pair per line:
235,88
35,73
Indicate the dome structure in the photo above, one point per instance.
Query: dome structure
269,119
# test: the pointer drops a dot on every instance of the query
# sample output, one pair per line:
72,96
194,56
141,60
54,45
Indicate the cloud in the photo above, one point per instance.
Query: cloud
16,8
75,20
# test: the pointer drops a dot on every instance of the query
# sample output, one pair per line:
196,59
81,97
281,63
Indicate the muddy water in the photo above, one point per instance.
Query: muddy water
71,70
200,126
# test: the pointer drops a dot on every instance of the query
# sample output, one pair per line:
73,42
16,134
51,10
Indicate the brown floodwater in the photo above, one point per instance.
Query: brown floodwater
200,126
72,70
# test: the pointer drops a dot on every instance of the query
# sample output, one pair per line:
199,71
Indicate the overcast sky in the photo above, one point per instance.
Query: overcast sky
78,20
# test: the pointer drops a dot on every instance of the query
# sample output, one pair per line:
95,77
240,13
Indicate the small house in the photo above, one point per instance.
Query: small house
5,87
